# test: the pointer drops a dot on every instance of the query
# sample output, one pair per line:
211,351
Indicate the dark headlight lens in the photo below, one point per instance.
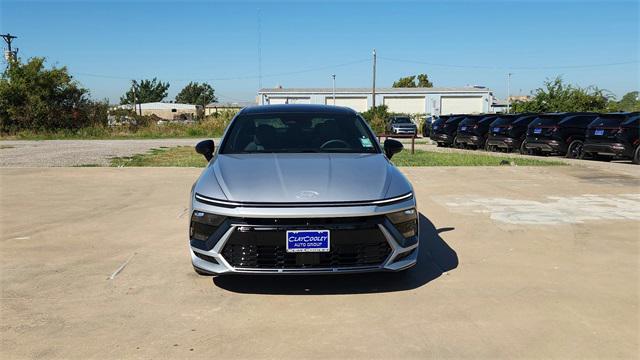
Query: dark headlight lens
204,224
406,221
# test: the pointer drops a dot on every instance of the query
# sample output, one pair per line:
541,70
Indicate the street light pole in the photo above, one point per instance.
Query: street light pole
509,93
334,89
373,90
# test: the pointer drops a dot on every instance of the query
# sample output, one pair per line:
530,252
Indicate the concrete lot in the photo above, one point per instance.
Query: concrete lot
515,262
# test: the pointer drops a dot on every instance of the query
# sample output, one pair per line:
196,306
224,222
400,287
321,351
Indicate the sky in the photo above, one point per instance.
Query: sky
105,44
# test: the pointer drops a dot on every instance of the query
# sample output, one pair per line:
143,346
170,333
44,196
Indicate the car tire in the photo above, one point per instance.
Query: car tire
574,151
636,156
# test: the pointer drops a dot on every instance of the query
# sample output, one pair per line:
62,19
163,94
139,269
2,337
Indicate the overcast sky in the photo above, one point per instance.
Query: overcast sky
105,44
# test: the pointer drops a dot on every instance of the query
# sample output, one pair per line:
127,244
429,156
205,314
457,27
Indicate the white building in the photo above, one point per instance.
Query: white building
430,101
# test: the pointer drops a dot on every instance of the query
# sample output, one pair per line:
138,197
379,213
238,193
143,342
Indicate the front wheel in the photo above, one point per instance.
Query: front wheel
636,156
575,150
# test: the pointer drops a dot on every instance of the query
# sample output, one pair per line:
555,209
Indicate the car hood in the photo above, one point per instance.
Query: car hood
302,178
404,125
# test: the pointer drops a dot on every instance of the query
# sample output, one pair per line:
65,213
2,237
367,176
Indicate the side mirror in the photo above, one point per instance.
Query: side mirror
206,148
392,147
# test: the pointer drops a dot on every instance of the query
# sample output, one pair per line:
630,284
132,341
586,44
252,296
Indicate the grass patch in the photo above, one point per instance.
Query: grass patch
181,156
431,158
185,156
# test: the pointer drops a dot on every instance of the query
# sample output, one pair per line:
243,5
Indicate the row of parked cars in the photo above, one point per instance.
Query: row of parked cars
572,134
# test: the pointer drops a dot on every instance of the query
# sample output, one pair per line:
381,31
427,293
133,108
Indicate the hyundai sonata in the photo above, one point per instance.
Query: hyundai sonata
301,189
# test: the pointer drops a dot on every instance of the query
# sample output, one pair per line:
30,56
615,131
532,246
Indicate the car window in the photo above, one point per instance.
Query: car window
299,133
402,120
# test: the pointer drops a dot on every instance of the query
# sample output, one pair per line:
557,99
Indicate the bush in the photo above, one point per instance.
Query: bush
34,98
377,118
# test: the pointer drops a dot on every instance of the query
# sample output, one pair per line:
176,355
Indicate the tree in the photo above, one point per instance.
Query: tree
197,94
33,97
556,96
423,81
146,91
629,102
405,82
410,81
377,118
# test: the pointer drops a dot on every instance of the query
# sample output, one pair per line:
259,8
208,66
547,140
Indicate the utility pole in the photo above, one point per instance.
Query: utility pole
509,93
8,38
259,51
373,90
334,89
133,89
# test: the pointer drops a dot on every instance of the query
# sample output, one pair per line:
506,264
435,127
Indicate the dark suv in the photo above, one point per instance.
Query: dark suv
558,133
509,131
443,132
613,135
428,122
472,131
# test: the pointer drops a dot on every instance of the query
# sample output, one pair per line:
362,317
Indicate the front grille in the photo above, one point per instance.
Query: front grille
352,245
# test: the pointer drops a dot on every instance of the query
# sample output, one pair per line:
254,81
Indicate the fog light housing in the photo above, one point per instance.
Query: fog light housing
203,225
406,221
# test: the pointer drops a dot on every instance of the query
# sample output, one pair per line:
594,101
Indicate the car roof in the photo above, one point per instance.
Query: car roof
297,108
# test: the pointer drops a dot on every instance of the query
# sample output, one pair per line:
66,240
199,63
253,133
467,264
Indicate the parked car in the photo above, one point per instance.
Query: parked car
427,123
443,132
559,133
472,131
301,189
508,131
401,125
613,136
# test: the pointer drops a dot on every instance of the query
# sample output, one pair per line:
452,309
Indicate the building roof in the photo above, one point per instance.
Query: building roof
415,90
161,106
239,104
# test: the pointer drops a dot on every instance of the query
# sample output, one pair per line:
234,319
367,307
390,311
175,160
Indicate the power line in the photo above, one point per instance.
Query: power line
241,77
491,67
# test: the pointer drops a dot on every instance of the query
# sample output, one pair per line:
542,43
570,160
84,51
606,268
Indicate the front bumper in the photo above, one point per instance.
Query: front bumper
503,142
224,252
410,131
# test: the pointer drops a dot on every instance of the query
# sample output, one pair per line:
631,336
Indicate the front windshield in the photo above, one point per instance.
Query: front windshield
402,120
299,133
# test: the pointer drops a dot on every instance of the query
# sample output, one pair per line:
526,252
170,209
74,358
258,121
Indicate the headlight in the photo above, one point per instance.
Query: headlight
405,221
203,225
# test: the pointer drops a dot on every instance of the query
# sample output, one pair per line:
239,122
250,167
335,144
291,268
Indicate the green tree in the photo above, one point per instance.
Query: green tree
423,81
377,118
33,97
557,96
146,91
410,81
197,94
405,82
629,102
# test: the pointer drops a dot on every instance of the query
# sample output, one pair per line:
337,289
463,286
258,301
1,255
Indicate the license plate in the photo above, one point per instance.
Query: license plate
435,127
496,129
537,131
598,132
463,128
308,241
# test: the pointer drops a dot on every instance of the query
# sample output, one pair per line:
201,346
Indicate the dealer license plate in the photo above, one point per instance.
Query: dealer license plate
308,241
599,132
537,131
496,129
463,128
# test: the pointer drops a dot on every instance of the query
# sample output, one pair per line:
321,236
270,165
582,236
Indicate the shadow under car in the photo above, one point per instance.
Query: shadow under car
434,258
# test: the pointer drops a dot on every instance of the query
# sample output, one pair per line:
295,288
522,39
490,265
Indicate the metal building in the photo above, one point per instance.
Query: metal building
429,101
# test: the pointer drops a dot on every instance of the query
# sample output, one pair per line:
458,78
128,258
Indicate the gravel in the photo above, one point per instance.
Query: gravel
53,153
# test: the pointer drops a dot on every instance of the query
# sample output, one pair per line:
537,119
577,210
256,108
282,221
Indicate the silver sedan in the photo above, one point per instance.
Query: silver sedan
301,189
